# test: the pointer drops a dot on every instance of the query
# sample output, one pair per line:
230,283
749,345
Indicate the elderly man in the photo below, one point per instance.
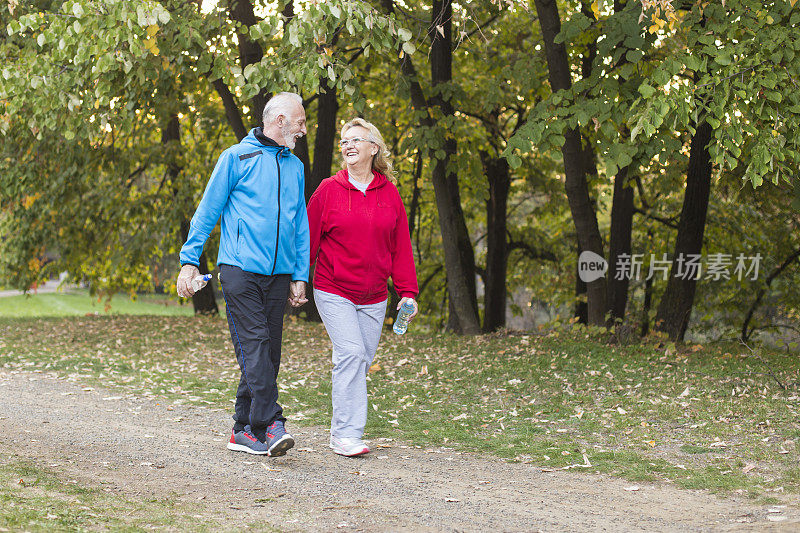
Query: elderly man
257,191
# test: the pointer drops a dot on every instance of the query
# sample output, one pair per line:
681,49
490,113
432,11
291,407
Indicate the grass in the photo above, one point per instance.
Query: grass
711,417
78,302
33,498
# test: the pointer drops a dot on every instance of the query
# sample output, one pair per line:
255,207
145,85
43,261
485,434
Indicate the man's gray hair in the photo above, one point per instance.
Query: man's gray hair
280,104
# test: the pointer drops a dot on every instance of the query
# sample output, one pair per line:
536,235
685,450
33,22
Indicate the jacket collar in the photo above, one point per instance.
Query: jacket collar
263,139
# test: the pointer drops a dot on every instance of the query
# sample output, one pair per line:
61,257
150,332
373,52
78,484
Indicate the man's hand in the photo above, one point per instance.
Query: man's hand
297,293
413,302
184,284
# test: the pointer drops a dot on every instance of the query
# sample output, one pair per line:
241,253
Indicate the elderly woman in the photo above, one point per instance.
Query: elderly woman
359,238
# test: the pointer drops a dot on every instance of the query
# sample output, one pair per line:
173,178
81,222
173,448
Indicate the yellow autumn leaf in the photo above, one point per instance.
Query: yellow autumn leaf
595,9
28,201
152,30
150,46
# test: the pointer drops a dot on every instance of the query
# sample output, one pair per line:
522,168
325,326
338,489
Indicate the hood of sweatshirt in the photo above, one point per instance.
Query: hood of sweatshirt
343,178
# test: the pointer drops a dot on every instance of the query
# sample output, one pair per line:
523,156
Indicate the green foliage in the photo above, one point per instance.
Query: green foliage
87,88
87,182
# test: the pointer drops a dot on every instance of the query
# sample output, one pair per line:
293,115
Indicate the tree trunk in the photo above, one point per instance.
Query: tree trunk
204,300
458,252
301,151
621,227
675,307
648,298
250,51
413,206
576,185
620,243
494,301
581,309
459,256
327,111
231,109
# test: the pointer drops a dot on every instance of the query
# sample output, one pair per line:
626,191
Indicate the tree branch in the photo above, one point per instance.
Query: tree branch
746,333
231,109
666,221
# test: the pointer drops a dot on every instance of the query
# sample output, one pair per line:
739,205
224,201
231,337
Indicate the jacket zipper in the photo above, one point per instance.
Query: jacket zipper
278,232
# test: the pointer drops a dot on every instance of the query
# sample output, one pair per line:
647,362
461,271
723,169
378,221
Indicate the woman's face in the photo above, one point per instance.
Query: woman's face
356,149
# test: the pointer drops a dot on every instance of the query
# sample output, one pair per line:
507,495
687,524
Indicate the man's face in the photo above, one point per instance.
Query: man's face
293,126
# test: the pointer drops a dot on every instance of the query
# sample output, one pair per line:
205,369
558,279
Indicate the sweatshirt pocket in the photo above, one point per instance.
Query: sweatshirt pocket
239,235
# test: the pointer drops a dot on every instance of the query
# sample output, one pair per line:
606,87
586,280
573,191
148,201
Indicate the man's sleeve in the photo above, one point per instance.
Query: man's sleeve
208,212
302,244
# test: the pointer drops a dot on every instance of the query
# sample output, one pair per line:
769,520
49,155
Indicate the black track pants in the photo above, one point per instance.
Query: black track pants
255,305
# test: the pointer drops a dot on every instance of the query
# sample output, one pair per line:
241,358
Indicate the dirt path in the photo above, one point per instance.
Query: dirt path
138,447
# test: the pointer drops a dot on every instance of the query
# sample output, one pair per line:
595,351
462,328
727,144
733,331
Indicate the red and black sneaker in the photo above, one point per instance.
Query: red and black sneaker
278,440
245,441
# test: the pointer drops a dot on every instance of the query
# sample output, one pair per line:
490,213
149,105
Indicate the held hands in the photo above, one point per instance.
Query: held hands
413,302
297,293
184,284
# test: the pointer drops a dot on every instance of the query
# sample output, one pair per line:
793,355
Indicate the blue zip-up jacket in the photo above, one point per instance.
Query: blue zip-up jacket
257,189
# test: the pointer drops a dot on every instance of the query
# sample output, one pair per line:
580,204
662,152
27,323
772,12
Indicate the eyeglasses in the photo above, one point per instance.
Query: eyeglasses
354,140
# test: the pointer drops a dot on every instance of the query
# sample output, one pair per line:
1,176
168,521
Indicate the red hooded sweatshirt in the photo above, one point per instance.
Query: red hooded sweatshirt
360,239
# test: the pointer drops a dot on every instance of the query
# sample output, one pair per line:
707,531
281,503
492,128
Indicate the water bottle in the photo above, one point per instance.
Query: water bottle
200,281
401,323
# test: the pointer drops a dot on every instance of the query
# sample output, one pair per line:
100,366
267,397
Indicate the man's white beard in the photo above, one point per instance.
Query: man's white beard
288,137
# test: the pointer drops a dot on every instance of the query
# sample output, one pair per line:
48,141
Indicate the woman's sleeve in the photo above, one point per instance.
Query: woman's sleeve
314,209
404,273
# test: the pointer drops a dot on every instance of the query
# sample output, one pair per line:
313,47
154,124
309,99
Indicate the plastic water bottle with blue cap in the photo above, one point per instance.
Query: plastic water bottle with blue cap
200,281
401,323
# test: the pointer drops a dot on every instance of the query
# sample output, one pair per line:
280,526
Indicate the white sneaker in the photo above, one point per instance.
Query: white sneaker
349,447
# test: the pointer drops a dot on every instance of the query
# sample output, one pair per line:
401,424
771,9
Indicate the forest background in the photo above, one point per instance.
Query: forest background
660,137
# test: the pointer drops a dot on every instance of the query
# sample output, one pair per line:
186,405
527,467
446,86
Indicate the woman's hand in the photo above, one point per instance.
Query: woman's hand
413,302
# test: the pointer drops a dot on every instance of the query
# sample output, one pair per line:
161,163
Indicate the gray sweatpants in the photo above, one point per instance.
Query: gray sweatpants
355,331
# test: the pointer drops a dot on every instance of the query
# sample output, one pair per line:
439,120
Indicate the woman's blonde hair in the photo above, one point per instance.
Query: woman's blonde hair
381,161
